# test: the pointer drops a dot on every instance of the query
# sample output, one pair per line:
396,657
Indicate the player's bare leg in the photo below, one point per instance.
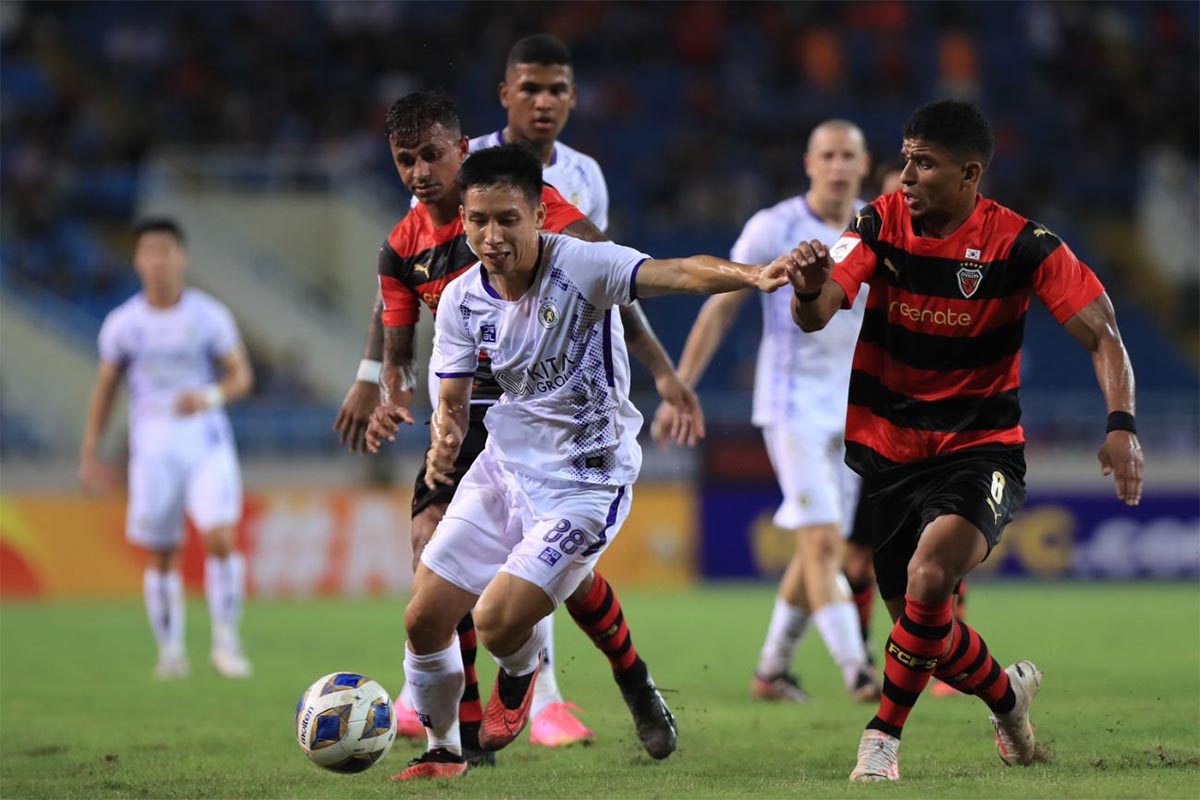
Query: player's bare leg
225,590
162,587
433,670
507,617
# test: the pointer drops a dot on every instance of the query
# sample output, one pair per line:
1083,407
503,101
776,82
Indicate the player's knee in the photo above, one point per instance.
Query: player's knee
495,625
929,581
426,626
819,544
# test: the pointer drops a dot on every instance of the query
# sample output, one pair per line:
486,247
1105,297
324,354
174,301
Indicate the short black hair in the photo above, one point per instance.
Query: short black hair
509,165
539,48
958,126
417,112
158,224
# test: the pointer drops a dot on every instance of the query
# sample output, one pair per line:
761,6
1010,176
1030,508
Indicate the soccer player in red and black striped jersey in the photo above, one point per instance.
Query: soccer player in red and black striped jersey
933,421
424,252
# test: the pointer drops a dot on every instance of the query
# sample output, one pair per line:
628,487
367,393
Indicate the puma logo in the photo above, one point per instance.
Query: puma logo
424,268
892,268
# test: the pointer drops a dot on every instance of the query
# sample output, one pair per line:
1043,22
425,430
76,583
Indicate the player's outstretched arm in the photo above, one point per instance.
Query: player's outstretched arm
707,275
100,406
397,378
1095,327
237,380
816,297
446,430
363,396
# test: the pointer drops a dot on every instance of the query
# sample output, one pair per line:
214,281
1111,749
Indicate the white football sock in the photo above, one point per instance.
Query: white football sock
405,696
435,684
525,659
838,624
164,606
784,634
225,588
546,691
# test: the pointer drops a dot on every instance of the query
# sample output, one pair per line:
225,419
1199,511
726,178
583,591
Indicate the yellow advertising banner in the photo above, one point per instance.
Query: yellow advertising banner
298,543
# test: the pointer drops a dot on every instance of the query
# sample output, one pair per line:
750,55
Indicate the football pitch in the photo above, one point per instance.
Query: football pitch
1119,709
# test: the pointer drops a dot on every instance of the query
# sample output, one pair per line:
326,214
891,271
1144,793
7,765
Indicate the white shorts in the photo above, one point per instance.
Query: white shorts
545,531
818,488
164,484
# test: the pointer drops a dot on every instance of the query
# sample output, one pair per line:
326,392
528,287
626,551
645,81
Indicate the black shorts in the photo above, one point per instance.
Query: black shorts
986,485
472,446
862,529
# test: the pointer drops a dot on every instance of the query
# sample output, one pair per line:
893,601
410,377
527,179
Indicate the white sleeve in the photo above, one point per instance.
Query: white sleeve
605,272
109,341
223,336
455,351
756,242
599,213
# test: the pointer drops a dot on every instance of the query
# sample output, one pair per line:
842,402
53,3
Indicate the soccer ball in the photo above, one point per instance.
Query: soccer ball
345,722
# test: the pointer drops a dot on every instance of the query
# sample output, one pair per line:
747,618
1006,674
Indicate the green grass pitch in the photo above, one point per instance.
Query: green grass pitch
80,716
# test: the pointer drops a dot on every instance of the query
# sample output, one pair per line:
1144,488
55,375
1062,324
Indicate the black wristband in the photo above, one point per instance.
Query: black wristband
1121,421
807,298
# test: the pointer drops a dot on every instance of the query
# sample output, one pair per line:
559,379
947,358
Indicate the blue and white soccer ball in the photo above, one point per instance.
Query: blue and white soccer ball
345,722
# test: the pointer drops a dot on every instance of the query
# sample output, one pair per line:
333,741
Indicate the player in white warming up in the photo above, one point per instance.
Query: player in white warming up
553,485
180,353
800,403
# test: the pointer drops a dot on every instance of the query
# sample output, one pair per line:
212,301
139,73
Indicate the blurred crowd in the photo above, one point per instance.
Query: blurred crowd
696,110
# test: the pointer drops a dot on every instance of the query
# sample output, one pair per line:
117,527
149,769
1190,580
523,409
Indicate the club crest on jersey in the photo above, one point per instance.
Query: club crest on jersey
487,332
968,280
548,314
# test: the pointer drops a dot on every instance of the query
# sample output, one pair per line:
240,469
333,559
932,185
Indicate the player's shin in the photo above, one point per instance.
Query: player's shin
970,668
435,683
598,614
916,642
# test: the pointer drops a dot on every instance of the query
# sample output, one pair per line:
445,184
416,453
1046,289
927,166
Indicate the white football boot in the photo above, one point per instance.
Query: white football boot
1014,733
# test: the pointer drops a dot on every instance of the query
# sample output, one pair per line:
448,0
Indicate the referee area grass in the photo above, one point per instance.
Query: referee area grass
81,717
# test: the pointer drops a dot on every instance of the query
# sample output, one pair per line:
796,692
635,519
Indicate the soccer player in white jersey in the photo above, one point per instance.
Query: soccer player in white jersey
800,403
538,92
553,484
179,351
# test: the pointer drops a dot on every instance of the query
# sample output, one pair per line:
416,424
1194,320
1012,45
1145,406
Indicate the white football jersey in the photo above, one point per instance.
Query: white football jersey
576,176
167,351
801,378
559,357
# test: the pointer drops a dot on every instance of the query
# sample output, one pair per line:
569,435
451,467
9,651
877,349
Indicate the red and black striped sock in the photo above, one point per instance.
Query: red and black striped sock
599,615
864,601
917,640
970,668
470,710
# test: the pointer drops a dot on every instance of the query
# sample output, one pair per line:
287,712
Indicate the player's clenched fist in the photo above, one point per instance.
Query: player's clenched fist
385,422
443,450
808,267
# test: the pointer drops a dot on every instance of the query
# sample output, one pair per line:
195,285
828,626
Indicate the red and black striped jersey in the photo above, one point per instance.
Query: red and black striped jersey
937,365
419,259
